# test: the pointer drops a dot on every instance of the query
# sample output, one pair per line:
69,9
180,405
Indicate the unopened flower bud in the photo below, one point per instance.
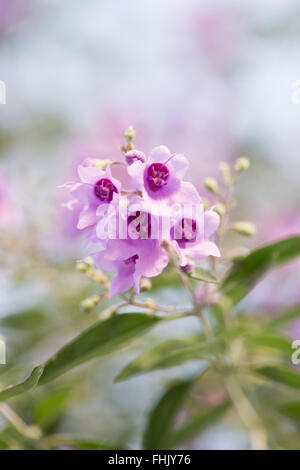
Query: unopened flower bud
244,228
129,134
220,209
97,163
150,303
188,268
133,156
88,304
82,266
226,172
98,276
145,284
212,185
241,164
206,203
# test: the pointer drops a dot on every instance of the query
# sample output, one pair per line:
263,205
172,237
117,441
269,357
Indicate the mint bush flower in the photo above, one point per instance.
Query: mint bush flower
130,260
189,243
96,188
160,176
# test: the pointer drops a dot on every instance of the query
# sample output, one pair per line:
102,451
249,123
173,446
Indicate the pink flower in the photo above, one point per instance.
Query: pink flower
188,241
96,188
160,176
130,260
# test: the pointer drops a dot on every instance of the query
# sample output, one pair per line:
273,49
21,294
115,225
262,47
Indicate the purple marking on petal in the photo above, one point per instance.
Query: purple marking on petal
184,232
131,259
104,190
157,176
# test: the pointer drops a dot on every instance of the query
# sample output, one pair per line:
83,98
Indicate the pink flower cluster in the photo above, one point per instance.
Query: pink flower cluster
157,188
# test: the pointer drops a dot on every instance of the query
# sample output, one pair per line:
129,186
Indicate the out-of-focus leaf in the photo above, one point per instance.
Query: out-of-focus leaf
268,339
50,408
292,410
80,443
199,423
281,374
285,317
28,384
204,275
157,434
26,320
170,353
246,272
99,340
84,444
168,278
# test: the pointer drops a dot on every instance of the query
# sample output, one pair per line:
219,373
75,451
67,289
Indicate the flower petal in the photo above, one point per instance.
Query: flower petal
211,222
159,154
89,174
180,165
87,217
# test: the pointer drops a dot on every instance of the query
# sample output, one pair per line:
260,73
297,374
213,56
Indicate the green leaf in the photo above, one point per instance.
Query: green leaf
170,353
28,384
281,374
291,410
267,339
99,340
80,443
204,275
198,423
25,320
157,434
246,272
51,407
287,316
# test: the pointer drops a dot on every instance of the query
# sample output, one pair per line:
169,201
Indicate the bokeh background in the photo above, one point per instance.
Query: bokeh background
211,79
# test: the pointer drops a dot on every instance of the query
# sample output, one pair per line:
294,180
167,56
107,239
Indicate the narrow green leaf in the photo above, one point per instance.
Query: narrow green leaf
198,423
281,374
292,313
246,272
267,339
204,275
291,410
51,407
170,353
28,384
80,443
159,426
99,340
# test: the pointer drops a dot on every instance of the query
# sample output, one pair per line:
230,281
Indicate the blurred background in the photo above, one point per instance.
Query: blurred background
211,79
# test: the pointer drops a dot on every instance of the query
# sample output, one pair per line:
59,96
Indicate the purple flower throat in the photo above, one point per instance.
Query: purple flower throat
157,176
104,190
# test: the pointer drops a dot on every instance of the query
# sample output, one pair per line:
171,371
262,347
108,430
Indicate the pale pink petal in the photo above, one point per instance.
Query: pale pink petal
87,217
202,250
211,222
82,192
89,174
136,172
180,165
159,154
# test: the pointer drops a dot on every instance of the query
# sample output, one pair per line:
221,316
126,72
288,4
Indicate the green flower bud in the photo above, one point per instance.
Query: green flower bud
212,185
220,209
244,228
226,172
145,284
88,304
241,164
